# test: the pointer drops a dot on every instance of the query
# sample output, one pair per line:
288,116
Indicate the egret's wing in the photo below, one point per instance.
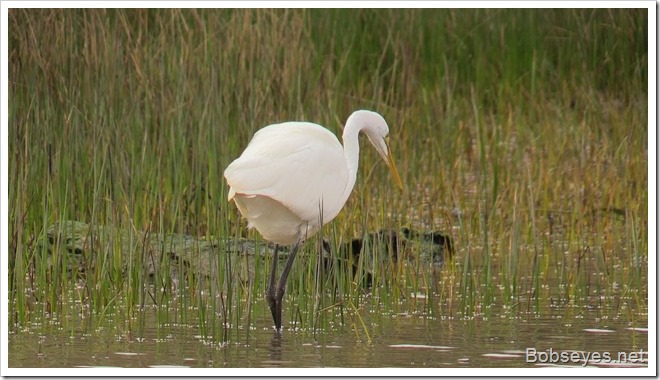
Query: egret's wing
301,165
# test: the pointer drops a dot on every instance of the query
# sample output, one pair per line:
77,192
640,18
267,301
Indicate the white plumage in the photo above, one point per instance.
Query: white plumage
284,176
295,177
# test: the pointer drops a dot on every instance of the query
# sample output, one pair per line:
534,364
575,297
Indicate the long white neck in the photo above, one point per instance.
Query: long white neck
355,123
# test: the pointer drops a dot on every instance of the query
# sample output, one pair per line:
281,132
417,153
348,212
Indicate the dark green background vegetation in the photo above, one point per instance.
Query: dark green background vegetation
522,132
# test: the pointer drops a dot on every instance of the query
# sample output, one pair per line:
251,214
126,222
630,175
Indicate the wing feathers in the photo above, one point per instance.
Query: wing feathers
301,165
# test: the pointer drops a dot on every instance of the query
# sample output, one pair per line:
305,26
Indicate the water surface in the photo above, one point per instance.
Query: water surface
492,339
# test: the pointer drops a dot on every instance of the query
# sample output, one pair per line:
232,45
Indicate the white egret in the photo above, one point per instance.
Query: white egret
295,177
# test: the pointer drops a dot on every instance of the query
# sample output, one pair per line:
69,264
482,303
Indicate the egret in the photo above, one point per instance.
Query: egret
294,177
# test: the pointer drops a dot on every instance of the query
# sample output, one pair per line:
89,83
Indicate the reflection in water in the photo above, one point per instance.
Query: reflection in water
396,342
497,339
276,348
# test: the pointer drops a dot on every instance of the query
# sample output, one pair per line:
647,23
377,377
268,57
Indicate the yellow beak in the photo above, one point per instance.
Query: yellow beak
390,163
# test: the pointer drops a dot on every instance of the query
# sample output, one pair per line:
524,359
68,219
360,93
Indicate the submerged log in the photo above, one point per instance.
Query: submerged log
86,245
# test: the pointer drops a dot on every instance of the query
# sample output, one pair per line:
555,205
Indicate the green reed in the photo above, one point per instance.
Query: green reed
522,133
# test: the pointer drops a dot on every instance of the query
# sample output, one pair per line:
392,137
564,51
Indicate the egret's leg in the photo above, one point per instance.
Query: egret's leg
281,285
270,291
287,268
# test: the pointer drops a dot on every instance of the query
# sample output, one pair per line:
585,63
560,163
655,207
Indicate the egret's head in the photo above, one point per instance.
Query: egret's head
378,133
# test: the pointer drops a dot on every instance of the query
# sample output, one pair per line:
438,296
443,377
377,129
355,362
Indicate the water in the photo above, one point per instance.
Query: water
596,327
494,338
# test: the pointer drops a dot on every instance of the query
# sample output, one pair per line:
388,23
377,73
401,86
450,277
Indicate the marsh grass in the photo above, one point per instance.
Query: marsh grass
522,133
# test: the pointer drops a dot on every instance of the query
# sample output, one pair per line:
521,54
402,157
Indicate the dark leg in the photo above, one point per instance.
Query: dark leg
270,291
281,285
